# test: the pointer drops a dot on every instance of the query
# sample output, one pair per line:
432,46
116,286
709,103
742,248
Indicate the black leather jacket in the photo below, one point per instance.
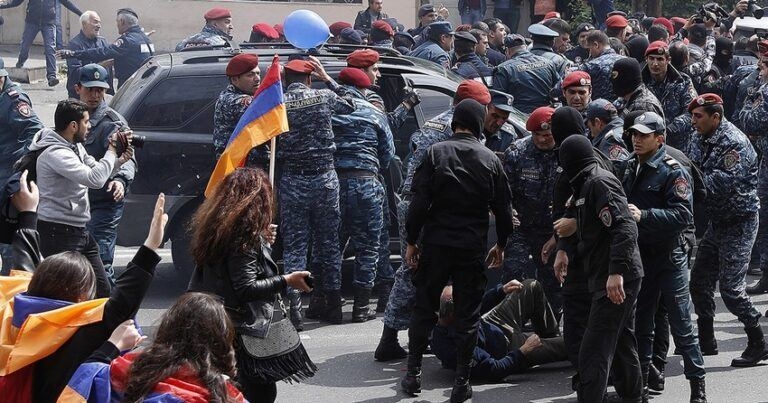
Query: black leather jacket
248,283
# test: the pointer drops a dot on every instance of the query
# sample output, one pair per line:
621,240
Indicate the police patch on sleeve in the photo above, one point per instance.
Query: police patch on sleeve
731,159
440,127
682,188
24,109
605,216
615,151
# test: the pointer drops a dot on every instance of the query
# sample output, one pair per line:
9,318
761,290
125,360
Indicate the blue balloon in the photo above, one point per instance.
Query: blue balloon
305,29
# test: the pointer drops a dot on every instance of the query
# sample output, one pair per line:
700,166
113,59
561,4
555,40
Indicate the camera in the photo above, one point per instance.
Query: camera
123,141
754,10
711,11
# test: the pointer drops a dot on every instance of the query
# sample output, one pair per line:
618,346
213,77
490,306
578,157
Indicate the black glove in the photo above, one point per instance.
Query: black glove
412,97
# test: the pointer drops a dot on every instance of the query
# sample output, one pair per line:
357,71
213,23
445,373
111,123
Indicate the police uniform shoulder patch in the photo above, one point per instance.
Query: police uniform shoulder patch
24,109
615,151
246,100
431,124
731,159
682,188
605,216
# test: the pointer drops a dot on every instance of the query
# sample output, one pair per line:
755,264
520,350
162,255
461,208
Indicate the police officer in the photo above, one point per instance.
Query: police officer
309,188
87,38
660,196
244,77
216,32
580,54
468,63
577,90
543,42
527,76
628,86
364,146
605,129
263,32
606,229
599,67
729,164
106,203
673,89
130,50
427,15
381,34
41,17
439,42
499,134
531,167
453,241
400,304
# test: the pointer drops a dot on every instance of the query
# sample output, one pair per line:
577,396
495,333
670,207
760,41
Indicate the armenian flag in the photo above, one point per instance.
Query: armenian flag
264,119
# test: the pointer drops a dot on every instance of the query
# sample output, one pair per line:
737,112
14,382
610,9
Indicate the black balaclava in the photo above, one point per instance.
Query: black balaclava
565,122
723,53
471,115
575,155
636,48
625,76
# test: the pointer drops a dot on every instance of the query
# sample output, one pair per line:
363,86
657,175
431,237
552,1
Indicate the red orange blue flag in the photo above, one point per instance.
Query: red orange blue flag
264,119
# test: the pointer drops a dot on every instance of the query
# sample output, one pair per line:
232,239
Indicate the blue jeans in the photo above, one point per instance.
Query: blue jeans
59,30
105,217
48,30
473,16
666,279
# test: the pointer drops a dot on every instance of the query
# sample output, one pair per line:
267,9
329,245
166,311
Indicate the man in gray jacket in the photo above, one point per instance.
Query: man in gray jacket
64,173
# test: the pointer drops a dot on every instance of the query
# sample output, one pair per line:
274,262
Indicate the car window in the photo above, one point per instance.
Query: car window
181,102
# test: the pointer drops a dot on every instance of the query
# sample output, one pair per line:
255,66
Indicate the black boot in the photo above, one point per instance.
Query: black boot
361,311
411,383
294,297
333,303
698,391
656,377
389,349
644,372
462,390
316,304
761,287
756,350
707,340
384,289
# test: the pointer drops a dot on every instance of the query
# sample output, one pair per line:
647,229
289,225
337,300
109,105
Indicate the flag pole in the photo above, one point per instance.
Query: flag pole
272,159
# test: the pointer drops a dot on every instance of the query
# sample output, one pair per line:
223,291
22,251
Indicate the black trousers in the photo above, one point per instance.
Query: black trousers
576,307
610,334
56,238
438,265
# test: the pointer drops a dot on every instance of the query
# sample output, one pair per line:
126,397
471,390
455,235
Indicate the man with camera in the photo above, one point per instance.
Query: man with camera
106,202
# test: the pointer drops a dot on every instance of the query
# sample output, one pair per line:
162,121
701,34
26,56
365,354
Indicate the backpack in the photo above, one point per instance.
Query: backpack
9,216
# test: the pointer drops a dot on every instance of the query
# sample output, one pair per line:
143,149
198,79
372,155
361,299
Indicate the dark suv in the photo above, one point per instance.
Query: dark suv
171,100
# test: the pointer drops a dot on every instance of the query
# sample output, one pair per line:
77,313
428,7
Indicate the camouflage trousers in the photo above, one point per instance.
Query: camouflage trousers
309,212
402,298
522,261
723,257
761,243
384,269
360,200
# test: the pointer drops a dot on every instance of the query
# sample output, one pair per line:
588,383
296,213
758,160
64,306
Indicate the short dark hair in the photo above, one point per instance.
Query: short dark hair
493,24
698,34
617,46
597,36
68,111
478,34
294,77
712,109
463,47
66,276
657,32
544,40
481,26
558,25
434,35
678,53
613,32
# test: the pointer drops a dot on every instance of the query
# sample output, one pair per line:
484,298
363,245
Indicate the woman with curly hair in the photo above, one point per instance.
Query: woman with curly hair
231,247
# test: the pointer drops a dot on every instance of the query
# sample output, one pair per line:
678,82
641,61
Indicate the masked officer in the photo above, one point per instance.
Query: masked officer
106,203
577,90
673,89
600,64
454,223
216,32
606,229
244,77
397,314
660,196
468,63
543,41
364,146
499,134
130,50
632,94
729,164
309,187
531,167
605,129
529,77
439,42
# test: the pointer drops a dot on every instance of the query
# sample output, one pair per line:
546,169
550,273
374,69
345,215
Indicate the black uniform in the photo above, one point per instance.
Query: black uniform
607,244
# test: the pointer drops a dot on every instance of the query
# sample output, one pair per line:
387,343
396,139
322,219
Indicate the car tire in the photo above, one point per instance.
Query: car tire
180,247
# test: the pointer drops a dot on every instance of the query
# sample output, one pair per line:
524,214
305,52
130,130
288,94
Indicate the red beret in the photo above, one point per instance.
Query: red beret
577,78
217,14
705,100
474,90
337,27
354,76
242,64
382,26
279,29
540,119
616,21
463,27
666,23
551,14
657,48
265,30
363,58
300,66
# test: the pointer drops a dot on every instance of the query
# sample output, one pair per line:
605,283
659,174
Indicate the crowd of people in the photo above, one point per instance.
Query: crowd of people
645,145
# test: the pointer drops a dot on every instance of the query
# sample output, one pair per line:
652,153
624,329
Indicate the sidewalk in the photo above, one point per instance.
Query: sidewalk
34,68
